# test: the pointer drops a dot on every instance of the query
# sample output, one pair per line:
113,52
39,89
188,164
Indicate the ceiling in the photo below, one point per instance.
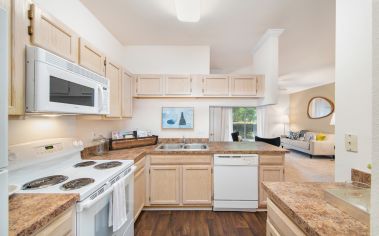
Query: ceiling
230,27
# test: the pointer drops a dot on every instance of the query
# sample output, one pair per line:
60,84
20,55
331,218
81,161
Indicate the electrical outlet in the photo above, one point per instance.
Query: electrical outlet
351,143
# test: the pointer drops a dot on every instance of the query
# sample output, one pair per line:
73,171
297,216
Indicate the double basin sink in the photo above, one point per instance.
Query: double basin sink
183,147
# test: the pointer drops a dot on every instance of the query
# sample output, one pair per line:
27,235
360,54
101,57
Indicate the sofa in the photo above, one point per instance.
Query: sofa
306,142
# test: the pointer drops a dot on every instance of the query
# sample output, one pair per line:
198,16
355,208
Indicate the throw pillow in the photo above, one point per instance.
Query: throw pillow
302,132
320,137
309,136
294,135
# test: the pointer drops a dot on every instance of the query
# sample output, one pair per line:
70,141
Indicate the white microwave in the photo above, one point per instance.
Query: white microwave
55,85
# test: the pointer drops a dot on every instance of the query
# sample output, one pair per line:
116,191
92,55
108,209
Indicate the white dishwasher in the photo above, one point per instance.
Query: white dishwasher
235,182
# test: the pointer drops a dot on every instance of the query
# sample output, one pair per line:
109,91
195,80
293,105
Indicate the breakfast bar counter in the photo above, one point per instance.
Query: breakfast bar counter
30,213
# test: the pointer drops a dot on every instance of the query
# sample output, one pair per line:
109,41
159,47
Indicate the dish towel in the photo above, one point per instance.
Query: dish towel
117,206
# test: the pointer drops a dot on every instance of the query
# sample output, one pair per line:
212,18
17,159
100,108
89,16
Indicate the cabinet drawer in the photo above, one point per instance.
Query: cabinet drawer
271,159
281,222
180,159
140,164
63,226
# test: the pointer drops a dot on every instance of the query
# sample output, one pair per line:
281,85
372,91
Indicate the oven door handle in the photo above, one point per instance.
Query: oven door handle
90,203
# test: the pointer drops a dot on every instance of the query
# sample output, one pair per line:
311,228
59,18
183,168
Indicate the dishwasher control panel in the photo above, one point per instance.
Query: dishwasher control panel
236,159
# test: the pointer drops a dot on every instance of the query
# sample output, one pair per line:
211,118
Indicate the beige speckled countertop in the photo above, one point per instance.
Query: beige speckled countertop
214,148
304,204
29,213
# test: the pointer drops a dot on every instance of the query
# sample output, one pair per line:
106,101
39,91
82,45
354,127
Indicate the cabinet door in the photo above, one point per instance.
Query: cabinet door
49,33
243,86
91,58
216,85
149,85
63,226
139,192
269,174
197,184
113,73
126,95
164,185
178,85
270,229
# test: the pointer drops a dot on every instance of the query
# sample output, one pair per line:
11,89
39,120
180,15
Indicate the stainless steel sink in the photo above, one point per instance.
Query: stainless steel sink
182,147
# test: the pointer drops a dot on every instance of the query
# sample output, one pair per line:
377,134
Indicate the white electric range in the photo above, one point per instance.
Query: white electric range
55,166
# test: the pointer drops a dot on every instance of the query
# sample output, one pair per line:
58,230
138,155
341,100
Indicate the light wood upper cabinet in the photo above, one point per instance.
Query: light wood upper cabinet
139,188
64,225
178,85
216,85
126,95
269,174
149,85
114,73
49,33
243,86
197,184
91,58
164,185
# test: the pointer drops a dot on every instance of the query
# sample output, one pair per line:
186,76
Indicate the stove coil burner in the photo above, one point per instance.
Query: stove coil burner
108,165
44,182
85,163
77,183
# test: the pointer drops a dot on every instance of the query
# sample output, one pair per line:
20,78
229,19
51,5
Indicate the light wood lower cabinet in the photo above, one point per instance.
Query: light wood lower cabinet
180,180
278,223
139,188
65,225
197,184
164,185
269,174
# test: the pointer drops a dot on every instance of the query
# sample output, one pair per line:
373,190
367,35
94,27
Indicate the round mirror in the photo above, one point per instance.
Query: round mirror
319,107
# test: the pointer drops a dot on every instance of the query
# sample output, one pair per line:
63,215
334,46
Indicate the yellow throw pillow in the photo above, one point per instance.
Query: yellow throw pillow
320,137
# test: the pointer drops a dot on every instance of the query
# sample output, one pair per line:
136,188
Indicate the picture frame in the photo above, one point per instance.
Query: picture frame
177,118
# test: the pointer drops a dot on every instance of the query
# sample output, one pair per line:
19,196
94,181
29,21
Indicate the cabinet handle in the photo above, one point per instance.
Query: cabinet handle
30,30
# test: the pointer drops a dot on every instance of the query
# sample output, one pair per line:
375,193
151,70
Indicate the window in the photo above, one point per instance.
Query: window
245,122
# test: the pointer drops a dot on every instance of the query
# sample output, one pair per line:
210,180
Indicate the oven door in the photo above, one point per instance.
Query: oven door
61,91
93,215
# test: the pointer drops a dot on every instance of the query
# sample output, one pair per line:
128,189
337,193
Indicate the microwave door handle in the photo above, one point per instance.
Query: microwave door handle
101,97
90,203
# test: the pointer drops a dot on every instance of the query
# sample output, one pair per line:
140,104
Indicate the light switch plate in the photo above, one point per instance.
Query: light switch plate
351,143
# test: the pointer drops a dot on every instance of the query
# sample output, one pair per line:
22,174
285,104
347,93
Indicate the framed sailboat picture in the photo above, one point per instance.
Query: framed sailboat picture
177,117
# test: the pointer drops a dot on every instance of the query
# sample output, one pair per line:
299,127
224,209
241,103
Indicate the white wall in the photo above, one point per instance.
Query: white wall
155,59
375,156
83,22
266,62
274,116
300,81
353,84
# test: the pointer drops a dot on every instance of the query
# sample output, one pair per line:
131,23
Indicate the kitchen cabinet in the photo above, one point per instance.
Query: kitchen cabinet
178,85
215,85
269,174
139,187
114,73
149,85
180,180
164,185
197,184
49,33
64,225
126,95
91,58
18,37
278,223
243,86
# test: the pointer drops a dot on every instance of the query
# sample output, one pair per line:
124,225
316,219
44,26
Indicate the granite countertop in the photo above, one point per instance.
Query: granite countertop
214,148
304,204
29,213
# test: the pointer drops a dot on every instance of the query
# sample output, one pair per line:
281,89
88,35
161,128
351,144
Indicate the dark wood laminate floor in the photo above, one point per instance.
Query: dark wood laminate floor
200,223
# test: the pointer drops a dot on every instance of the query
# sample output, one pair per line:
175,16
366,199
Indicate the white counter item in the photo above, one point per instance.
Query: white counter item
235,182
